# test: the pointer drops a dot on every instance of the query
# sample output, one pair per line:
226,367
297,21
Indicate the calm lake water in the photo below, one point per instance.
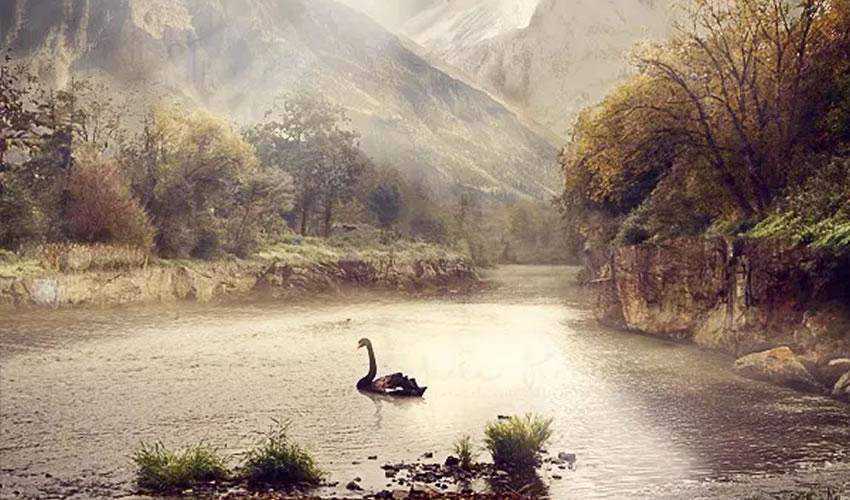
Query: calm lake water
80,389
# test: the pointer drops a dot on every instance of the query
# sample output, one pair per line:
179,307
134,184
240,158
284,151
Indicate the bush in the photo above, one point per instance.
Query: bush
465,451
102,209
203,185
22,218
277,460
515,443
817,213
159,469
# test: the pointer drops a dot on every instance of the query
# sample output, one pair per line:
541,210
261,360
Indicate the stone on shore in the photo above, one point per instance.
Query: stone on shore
842,388
831,372
778,366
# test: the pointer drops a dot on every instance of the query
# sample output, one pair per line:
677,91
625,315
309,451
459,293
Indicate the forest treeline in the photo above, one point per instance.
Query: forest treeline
77,165
738,124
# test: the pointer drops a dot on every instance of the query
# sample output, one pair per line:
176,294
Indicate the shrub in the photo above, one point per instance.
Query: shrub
277,460
515,443
202,185
22,218
159,469
817,213
465,451
101,208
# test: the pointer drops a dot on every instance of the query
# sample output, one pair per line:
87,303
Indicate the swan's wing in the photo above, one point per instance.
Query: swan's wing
390,382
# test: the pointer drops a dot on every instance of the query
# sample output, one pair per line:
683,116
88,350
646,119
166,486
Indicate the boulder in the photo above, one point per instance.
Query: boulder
842,388
778,366
830,372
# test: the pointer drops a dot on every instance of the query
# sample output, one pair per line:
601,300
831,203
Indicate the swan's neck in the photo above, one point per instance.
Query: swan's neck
373,368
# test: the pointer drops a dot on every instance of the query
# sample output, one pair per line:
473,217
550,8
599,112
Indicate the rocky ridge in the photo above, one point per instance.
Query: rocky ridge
782,309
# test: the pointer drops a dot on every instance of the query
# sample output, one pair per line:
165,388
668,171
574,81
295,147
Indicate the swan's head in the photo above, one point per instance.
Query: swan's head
363,343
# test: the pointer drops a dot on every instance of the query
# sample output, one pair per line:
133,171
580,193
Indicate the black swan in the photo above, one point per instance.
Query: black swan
392,385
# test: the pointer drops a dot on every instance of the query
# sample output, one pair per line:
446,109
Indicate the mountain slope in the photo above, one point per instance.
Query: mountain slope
236,56
568,56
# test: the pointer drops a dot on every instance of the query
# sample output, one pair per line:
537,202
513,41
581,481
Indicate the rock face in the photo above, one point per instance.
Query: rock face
566,56
739,297
236,57
779,366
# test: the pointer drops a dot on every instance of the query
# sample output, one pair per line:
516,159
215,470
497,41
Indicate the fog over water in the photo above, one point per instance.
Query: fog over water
644,417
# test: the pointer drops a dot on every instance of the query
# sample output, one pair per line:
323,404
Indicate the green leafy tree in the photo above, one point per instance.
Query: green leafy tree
202,185
385,203
305,135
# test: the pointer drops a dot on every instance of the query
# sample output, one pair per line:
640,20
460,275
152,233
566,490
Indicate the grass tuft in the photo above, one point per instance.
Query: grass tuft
159,469
465,451
515,443
76,257
277,460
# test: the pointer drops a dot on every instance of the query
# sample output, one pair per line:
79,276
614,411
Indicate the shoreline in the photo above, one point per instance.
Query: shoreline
779,310
233,280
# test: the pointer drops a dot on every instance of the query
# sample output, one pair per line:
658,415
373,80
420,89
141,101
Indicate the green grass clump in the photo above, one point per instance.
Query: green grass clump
277,460
515,443
159,469
465,451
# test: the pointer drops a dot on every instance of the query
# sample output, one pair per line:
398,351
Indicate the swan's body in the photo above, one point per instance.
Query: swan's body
396,384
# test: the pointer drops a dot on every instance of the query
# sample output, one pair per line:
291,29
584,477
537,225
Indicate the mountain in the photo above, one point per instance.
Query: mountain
568,54
456,25
235,56
392,13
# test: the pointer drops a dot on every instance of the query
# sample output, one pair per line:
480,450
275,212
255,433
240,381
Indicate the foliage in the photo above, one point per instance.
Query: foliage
532,233
384,203
817,213
22,109
305,136
721,119
161,470
515,443
277,460
101,208
464,448
362,244
202,185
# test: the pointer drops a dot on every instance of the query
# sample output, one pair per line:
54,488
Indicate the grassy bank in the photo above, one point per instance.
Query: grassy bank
72,274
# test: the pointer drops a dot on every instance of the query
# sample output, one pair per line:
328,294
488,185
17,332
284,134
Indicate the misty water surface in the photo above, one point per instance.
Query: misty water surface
81,389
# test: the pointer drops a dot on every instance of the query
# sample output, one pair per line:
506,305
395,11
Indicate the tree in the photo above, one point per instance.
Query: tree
739,72
719,120
22,110
385,204
305,136
97,116
202,185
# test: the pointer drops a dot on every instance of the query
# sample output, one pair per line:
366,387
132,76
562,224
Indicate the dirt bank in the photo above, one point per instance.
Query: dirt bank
209,281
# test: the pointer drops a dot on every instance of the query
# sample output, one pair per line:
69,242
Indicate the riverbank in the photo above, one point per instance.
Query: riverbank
296,267
782,310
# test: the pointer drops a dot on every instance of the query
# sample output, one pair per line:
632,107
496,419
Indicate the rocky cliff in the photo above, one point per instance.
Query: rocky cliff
744,297
566,56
